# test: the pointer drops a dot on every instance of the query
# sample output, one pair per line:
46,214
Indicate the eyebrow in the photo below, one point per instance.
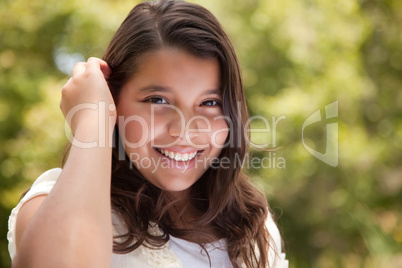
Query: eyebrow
155,88
213,91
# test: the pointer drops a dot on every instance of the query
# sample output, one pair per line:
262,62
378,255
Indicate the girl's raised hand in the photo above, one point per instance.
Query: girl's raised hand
86,98
82,215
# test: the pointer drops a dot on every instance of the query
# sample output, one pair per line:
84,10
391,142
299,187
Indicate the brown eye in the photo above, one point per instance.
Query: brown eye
211,103
157,100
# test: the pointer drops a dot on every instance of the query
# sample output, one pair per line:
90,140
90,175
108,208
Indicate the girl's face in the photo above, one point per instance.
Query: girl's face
170,117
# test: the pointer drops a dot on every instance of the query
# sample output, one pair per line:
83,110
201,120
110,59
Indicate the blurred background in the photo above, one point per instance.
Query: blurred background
297,57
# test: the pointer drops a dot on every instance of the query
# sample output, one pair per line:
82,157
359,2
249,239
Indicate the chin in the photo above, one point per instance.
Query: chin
179,187
171,180
175,185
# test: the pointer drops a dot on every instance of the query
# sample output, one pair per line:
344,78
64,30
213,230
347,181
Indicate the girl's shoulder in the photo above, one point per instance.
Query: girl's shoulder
276,240
275,253
41,186
46,179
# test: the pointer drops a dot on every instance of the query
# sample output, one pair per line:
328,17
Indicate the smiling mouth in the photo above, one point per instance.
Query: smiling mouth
177,156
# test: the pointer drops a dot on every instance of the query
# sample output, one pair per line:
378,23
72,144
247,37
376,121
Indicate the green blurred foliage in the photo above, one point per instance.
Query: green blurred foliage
297,57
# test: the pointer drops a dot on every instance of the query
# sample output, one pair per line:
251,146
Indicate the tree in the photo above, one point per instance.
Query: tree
297,57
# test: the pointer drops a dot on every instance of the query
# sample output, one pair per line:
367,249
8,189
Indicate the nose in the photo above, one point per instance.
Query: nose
185,126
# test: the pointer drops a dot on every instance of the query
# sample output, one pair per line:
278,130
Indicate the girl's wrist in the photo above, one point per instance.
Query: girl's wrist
92,132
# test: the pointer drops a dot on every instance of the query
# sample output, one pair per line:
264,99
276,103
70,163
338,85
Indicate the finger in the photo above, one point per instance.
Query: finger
93,65
69,80
106,70
79,68
104,67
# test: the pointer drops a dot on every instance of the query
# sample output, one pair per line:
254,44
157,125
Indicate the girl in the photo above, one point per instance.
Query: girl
153,177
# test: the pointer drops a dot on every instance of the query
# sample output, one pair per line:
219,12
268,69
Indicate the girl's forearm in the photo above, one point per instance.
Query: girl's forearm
73,228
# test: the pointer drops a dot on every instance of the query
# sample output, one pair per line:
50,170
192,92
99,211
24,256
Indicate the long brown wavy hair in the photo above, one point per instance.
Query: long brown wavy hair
226,197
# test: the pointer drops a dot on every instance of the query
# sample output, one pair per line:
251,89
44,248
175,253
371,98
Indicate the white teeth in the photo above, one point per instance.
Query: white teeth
178,156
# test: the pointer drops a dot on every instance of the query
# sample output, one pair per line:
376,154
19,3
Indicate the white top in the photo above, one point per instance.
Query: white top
175,253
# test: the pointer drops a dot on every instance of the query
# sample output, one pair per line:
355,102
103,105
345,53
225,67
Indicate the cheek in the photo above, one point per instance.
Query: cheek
136,132
220,131
133,127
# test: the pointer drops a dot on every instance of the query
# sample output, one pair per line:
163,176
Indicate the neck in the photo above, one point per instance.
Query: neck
183,212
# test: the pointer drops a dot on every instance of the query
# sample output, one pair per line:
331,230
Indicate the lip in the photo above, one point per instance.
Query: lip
180,150
181,165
